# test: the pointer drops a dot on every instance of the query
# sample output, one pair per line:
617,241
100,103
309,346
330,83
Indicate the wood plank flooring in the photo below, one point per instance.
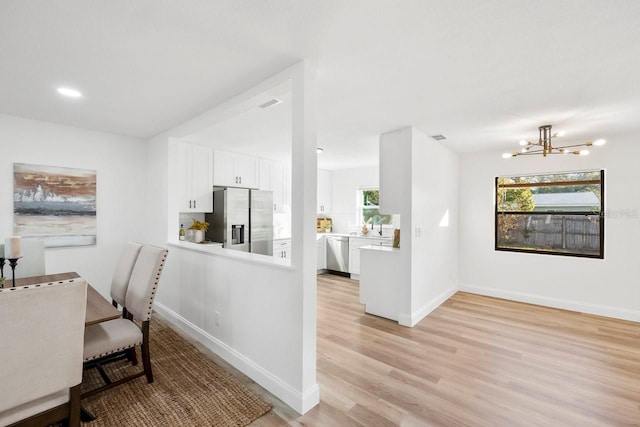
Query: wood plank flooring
474,361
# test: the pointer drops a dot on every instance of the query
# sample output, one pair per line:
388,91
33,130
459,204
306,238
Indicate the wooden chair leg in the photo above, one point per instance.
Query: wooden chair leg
74,406
132,356
146,357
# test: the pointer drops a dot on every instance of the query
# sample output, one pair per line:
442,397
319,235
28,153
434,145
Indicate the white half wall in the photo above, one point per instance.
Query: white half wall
120,163
608,286
258,316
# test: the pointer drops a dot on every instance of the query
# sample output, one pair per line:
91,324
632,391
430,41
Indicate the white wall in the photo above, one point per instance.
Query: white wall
419,181
120,163
435,225
267,311
344,186
607,287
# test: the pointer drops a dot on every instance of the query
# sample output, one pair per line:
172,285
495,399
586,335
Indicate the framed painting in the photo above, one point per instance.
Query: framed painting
54,204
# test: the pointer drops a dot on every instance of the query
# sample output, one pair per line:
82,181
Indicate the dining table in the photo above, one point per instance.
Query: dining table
98,308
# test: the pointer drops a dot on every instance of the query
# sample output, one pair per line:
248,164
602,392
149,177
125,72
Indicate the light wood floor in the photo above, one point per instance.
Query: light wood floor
474,361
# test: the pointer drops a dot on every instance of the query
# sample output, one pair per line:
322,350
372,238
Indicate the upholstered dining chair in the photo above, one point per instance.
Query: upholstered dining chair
106,340
41,359
120,284
122,274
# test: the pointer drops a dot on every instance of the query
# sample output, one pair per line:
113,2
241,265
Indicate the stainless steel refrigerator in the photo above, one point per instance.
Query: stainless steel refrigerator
242,220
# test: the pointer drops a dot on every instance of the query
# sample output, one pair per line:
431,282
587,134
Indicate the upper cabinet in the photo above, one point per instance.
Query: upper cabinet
234,170
196,178
273,178
324,192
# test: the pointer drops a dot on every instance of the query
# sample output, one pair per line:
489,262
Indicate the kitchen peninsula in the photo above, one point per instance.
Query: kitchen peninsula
380,280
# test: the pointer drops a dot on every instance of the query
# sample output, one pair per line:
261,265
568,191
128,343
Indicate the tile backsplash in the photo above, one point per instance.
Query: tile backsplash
186,218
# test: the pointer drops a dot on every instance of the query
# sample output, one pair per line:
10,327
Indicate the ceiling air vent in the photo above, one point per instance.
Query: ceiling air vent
270,103
438,137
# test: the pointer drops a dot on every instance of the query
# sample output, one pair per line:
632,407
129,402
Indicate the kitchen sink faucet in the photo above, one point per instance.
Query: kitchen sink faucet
373,221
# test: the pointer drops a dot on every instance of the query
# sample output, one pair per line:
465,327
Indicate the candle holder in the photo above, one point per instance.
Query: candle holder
13,262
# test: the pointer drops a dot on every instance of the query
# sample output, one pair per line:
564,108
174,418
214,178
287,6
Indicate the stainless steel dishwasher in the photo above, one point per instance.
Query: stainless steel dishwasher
338,253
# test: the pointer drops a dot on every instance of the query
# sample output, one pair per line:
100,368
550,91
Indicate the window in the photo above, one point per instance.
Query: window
368,210
559,214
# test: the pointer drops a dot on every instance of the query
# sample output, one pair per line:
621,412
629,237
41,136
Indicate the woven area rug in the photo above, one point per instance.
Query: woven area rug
188,390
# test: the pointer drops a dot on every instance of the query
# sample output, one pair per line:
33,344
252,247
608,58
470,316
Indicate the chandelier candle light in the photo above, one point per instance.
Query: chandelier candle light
544,147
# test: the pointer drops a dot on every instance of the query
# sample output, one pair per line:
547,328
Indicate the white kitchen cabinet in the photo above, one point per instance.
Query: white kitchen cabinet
282,248
196,178
379,281
272,178
324,192
355,243
234,170
321,252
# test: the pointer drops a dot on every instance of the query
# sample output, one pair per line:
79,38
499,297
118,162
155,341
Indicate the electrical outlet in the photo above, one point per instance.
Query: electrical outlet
218,318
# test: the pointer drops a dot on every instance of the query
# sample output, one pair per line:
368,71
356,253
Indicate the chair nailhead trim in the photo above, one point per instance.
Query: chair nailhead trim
97,356
155,284
36,285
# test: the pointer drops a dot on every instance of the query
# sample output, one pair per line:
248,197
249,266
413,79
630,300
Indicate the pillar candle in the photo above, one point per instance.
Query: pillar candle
12,247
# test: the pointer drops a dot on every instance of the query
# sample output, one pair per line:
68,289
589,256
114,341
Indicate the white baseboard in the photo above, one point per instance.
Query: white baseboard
581,307
310,398
300,402
411,320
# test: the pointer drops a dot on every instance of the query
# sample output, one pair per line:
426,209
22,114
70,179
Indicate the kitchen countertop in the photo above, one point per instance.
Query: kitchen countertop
381,248
216,249
188,244
359,236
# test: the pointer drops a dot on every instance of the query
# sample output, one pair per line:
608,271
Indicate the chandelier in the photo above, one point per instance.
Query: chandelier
544,147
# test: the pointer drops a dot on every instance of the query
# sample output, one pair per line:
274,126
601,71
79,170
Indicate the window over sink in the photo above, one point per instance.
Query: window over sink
369,209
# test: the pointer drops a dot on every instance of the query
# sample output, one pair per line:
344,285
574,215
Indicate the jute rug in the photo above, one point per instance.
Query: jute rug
188,390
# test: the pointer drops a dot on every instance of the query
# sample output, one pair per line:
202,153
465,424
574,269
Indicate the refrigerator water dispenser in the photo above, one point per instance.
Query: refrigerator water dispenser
237,234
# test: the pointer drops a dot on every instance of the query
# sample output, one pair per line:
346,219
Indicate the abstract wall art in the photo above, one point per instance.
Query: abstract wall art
54,204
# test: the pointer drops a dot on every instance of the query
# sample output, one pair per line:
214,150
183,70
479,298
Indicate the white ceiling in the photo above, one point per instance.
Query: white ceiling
262,132
484,73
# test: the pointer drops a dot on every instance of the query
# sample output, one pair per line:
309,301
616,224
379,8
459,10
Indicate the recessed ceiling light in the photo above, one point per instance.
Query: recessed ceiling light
71,93
319,150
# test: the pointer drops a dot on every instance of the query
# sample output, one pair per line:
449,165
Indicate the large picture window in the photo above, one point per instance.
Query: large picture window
559,214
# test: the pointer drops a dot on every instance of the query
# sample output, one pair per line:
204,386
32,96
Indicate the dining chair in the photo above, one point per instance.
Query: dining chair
122,274
106,340
32,262
41,359
120,283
